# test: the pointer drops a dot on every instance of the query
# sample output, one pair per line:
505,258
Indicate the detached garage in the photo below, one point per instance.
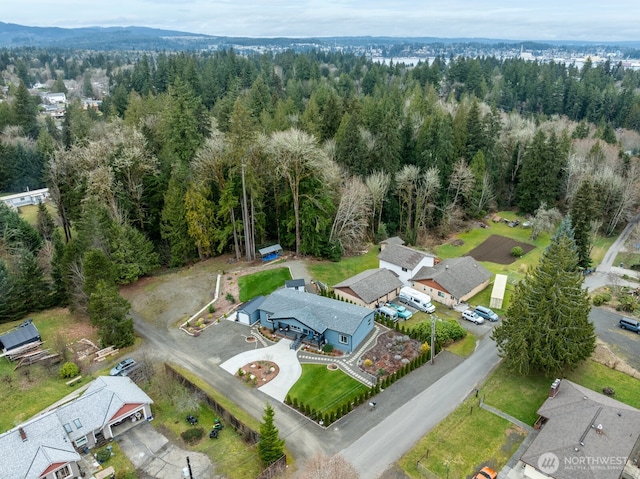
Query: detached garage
24,334
249,312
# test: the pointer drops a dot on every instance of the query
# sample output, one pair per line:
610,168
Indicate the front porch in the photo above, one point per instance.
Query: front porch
298,338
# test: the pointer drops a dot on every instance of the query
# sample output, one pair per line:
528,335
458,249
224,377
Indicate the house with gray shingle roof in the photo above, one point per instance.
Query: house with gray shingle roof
583,435
46,446
404,261
392,240
370,287
452,280
316,319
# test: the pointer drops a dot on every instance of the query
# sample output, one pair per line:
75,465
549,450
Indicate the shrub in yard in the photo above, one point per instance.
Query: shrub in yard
230,298
328,348
193,435
600,299
517,252
212,309
69,370
368,363
103,455
425,348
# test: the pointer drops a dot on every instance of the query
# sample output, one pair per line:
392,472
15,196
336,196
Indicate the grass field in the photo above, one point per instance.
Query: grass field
464,441
331,273
463,347
26,391
324,390
262,283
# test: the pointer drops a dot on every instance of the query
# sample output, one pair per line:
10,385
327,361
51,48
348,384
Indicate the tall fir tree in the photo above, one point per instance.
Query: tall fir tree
584,210
547,327
270,446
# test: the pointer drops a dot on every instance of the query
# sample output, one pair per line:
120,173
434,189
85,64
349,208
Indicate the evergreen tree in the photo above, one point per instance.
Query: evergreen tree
108,312
584,209
25,111
270,446
174,226
44,222
547,327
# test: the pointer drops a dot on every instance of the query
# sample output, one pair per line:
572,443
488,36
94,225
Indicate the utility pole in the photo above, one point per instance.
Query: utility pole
189,467
433,334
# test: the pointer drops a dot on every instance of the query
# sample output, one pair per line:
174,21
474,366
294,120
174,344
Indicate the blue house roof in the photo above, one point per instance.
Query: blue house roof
252,305
317,312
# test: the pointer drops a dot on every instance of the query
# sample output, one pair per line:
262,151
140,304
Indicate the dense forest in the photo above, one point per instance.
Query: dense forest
192,155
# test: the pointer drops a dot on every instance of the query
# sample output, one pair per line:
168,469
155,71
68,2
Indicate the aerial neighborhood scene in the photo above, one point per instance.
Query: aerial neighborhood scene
336,240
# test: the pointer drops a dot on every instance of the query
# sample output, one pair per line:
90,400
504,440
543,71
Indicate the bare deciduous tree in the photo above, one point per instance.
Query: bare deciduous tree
546,219
352,218
378,183
461,182
407,184
324,467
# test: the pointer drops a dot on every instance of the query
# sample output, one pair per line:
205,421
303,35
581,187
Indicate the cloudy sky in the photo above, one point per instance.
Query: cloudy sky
613,20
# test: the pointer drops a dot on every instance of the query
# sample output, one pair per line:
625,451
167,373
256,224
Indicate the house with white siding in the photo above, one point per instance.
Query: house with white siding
403,261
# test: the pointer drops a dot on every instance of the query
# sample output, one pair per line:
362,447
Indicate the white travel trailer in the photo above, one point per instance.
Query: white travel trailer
416,299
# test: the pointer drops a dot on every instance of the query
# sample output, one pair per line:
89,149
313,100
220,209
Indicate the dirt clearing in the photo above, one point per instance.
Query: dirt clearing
497,249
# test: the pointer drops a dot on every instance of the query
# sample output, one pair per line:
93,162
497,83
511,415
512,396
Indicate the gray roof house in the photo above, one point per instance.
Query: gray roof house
452,280
583,435
392,240
45,447
22,335
249,312
316,319
295,284
404,261
372,286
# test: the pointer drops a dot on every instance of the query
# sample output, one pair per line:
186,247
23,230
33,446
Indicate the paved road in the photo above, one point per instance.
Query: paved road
378,449
623,343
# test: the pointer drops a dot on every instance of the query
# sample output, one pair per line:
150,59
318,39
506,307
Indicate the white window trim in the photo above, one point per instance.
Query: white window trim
344,339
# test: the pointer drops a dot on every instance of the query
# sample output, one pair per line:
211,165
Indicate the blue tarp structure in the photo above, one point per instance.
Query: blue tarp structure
270,252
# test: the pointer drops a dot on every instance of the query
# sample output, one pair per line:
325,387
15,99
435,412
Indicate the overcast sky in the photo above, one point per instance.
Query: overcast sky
601,20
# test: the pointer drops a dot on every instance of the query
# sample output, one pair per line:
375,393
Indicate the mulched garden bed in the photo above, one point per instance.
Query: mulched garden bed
497,249
392,351
258,373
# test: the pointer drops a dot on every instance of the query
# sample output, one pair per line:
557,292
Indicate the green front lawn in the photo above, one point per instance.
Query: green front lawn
463,347
331,273
462,443
27,391
324,390
262,283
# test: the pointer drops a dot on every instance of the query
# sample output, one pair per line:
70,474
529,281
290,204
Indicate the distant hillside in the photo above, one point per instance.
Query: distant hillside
143,38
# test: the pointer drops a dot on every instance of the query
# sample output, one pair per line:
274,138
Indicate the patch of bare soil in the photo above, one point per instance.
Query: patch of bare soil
258,373
605,356
497,249
391,352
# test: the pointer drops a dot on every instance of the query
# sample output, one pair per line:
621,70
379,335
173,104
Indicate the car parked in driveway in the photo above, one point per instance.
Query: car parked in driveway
122,367
403,313
471,315
486,473
486,313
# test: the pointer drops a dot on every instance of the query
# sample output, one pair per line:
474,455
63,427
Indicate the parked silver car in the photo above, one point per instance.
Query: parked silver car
471,315
120,368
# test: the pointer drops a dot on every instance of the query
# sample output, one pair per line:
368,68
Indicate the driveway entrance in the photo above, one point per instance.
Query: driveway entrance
151,452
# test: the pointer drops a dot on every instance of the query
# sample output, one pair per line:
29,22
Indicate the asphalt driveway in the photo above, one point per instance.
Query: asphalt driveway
150,452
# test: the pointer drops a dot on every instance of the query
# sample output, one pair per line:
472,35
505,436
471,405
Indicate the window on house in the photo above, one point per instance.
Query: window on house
81,441
77,423
67,427
63,472
441,294
452,297
344,339
293,327
405,269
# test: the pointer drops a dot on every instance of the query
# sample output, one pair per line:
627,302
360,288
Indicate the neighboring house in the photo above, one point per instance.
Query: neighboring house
24,334
55,98
249,312
453,280
46,446
297,284
317,319
369,287
26,198
393,240
403,261
583,434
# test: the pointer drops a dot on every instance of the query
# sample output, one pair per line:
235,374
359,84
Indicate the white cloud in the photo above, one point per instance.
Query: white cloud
542,19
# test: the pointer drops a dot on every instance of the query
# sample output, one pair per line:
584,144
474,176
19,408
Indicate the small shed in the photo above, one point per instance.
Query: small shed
497,294
270,252
297,284
249,312
24,334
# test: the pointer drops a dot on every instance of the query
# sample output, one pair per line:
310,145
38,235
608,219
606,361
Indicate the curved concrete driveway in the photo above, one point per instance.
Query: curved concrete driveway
281,354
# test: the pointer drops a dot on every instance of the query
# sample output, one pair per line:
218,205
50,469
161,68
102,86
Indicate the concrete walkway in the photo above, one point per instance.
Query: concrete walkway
504,415
281,354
